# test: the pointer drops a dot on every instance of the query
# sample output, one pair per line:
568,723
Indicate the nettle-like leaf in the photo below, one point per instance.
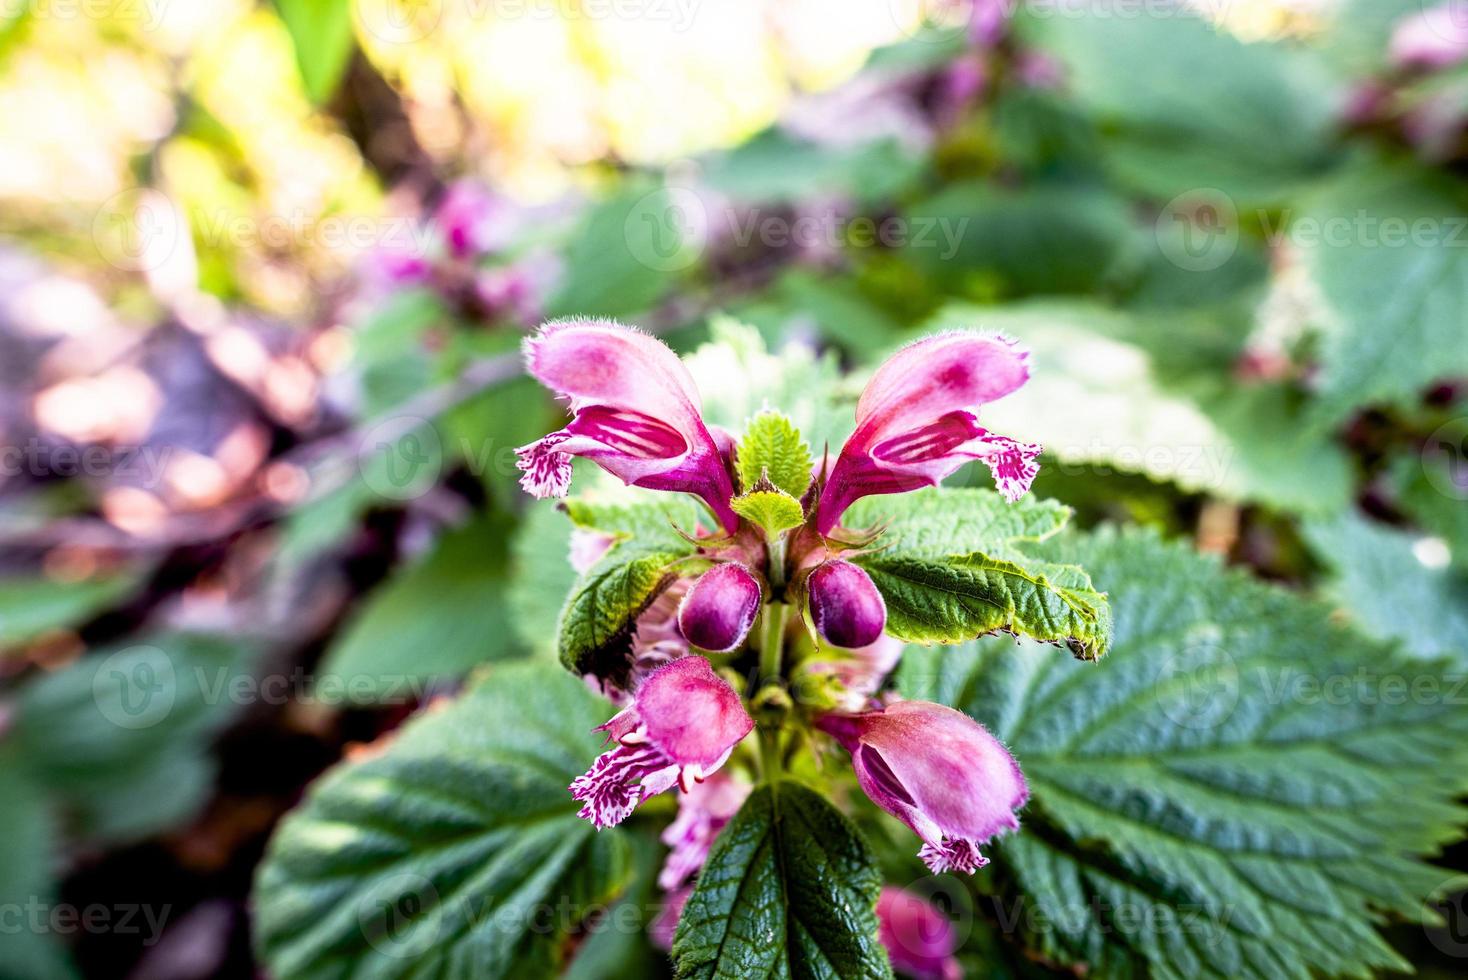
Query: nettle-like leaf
772,450
769,507
789,890
605,602
457,852
1224,796
951,568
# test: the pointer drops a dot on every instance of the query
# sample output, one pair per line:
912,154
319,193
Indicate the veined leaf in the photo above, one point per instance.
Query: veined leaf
648,521
772,448
443,855
600,612
774,510
939,521
1237,791
789,890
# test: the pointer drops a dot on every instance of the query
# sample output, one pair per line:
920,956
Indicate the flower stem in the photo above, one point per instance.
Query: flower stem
772,640
771,700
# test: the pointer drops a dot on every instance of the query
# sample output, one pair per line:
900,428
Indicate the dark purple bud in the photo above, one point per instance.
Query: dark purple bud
844,604
720,608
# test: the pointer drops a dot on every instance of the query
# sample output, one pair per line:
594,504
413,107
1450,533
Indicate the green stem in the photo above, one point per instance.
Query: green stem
772,640
770,718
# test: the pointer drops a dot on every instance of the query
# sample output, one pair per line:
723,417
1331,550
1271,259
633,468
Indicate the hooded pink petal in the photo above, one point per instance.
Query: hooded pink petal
915,422
682,725
938,771
636,413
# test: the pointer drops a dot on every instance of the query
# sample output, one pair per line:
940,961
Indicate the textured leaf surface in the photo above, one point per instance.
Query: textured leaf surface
455,853
772,447
600,611
1380,582
951,566
1238,790
1402,226
789,890
773,510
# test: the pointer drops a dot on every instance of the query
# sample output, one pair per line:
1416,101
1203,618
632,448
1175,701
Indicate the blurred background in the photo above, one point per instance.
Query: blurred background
265,268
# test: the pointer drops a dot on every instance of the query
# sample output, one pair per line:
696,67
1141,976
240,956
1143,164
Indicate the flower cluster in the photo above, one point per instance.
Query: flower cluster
636,413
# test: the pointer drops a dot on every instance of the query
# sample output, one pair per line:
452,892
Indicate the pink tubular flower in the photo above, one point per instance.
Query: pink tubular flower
919,938
702,813
635,414
858,673
938,771
683,723
915,423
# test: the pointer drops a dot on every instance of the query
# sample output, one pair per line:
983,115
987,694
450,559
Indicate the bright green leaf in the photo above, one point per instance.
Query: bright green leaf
599,614
321,31
772,448
789,890
457,853
773,510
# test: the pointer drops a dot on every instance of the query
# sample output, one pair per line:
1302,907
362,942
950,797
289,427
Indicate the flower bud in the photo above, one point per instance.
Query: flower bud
938,771
720,608
845,606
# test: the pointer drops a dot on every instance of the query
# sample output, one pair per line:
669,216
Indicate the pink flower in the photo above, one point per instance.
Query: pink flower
858,673
702,813
635,413
938,771
587,548
918,937
664,926
845,605
683,723
473,221
720,608
1434,39
915,423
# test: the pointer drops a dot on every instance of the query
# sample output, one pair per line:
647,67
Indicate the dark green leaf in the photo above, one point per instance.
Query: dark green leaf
599,614
457,853
789,890
1236,791
26,884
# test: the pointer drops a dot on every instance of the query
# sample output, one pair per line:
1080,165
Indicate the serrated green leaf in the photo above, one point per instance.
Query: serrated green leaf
773,510
949,600
1385,588
938,521
772,448
321,31
433,620
1208,802
600,611
789,890
457,853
